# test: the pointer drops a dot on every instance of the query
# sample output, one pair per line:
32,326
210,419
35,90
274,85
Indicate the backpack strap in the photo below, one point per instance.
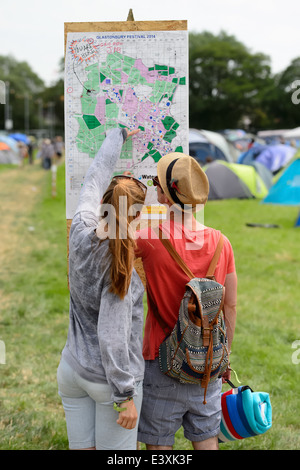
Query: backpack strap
168,245
215,259
211,269
183,266
210,273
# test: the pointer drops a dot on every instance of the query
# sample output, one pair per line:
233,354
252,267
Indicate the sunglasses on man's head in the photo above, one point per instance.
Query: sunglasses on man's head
138,182
156,182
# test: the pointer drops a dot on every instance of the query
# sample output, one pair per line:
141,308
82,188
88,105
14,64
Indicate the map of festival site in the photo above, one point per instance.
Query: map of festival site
137,80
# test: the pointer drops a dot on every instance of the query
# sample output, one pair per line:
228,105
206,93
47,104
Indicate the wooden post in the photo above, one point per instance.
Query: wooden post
130,16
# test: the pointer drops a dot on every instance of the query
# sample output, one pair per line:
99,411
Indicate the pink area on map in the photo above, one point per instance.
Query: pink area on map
131,102
145,109
100,109
151,114
124,77
150,76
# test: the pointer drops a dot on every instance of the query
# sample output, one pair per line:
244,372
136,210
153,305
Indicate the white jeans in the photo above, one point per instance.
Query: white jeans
90,417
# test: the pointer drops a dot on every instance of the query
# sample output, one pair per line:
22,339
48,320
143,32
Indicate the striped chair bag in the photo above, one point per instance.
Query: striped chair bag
244,413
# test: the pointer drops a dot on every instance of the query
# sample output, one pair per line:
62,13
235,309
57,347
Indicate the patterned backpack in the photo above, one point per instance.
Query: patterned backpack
196,351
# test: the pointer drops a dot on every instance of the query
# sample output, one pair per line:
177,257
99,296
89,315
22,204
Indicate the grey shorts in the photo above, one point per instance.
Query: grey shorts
168,405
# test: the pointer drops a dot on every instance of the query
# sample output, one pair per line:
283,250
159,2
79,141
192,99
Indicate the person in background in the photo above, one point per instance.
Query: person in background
58,147
47,154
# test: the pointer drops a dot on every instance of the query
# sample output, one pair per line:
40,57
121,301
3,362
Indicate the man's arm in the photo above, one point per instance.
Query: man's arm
230,310
230,305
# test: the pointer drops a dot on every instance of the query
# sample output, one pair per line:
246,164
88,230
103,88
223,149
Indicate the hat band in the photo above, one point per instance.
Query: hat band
171,190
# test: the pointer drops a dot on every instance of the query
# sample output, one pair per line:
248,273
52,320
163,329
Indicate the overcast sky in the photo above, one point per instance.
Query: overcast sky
33,31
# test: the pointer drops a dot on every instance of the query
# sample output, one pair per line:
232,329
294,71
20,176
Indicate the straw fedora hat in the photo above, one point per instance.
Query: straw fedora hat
182,180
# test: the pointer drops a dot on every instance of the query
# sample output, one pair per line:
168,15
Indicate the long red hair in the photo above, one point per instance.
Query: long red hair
122,195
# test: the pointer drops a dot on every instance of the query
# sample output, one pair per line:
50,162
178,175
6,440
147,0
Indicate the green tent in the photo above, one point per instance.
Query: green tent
233,180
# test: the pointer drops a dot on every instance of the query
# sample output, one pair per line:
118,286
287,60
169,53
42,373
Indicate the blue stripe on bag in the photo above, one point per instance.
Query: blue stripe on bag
239,403
235,417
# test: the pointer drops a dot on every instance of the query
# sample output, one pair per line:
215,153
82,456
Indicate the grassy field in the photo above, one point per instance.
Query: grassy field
34,310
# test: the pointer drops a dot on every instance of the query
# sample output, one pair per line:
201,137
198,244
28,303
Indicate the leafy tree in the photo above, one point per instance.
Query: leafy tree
23,86
53,104
226,81
53,108
277,101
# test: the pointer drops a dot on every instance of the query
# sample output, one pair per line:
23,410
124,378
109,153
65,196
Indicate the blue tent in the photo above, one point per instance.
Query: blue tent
273,157
286,190
20,137
250,155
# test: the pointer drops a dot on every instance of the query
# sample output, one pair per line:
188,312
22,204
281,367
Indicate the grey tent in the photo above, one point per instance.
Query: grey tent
8,155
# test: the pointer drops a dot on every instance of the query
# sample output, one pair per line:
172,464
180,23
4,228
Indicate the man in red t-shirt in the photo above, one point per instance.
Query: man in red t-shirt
167,404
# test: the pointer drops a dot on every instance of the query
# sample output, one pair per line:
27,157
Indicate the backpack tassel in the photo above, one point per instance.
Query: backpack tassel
208,365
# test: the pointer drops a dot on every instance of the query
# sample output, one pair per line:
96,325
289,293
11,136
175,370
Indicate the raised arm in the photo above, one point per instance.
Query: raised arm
98,176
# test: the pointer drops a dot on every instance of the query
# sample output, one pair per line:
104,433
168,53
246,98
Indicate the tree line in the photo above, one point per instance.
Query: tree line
229,87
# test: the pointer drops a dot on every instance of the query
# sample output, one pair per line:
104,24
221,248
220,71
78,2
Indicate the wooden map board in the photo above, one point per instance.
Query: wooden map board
85,27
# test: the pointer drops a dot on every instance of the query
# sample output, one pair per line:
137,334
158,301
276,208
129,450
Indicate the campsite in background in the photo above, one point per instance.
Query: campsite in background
240,165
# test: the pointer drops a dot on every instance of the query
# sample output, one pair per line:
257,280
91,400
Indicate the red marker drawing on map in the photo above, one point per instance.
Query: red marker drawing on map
83,50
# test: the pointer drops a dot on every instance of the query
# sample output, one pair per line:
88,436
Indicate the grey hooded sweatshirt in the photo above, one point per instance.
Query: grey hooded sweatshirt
105,333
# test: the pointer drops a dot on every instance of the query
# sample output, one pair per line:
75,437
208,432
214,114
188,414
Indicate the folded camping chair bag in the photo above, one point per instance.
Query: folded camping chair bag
244,413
